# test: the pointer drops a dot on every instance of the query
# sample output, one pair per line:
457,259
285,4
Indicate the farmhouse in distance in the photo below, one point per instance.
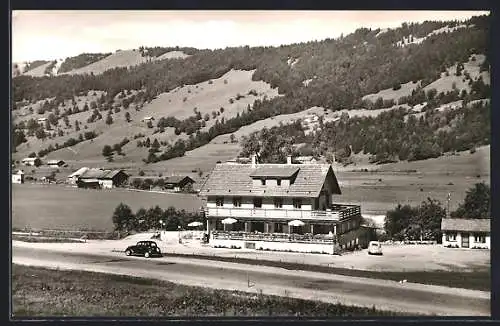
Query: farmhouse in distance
99,178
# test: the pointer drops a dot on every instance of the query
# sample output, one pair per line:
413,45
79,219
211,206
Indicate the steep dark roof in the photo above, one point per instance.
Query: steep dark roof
100,174
462,224
175,179
236,180
284,171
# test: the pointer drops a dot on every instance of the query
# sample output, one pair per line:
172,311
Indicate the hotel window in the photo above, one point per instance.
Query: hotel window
237,201
219,201
278,182
451,237
278,202
263,182
479,238
257,202
297,203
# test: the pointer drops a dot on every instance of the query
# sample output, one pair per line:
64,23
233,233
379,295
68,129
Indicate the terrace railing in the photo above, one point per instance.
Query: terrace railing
336,213
273,237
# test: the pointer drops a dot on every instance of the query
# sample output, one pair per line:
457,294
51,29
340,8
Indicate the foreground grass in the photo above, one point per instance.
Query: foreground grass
478,279
44,292
27,238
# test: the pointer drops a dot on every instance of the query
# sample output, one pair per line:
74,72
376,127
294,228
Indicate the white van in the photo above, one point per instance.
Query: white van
374,248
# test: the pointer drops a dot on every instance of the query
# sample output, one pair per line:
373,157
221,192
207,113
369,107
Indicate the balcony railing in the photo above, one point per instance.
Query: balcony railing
337,213
273,237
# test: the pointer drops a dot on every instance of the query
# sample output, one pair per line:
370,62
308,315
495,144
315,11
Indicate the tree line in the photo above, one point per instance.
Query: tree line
149,219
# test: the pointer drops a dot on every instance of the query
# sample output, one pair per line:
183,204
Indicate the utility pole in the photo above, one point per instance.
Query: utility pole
448,206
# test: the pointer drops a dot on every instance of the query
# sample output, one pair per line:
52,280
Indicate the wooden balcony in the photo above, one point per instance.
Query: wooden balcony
336,213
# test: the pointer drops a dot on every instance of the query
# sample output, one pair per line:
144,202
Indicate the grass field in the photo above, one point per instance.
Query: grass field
43,292
53,206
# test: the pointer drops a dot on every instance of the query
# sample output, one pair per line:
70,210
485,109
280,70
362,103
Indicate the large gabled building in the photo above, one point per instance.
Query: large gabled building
279,207
99,178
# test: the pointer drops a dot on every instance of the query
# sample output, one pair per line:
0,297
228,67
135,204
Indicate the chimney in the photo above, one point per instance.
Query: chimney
254,160
288,160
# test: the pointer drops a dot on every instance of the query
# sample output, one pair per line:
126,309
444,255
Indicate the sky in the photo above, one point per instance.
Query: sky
50,35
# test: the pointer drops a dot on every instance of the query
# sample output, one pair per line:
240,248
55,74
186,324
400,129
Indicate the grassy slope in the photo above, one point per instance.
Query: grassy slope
125,58
43,292
38,71
204,96
173,55
443,84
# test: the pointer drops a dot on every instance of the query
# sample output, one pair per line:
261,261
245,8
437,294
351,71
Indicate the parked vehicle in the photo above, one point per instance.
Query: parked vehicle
374,248
144,248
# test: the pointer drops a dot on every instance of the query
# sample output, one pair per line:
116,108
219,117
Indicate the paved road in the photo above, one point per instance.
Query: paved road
383,294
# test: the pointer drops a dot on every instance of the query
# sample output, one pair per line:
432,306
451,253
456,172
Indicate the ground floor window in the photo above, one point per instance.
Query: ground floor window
451,237
480,238
278,227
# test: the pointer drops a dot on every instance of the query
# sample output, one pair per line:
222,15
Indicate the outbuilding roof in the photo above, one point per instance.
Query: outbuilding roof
99,174
78,172
175,179
236,180
462,224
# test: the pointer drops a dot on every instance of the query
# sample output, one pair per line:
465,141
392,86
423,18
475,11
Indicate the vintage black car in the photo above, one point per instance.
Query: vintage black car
144,248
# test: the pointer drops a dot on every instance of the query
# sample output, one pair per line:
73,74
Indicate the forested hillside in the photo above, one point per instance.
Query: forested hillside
334,74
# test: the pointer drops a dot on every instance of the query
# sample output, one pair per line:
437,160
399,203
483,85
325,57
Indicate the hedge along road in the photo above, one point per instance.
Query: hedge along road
383,294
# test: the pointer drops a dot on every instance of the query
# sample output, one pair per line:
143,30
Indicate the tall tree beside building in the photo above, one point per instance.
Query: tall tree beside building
477,203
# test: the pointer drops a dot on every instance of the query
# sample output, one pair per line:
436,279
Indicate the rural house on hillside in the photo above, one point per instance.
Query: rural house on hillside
466,233
73,177
29,161
55,163
148,119
18,177
99,178
178,183
41,121
284,207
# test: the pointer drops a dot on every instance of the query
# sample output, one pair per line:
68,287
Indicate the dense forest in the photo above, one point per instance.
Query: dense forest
393,135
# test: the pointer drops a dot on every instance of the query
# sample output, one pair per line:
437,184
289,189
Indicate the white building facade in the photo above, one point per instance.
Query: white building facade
286,207
466,233
18,177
